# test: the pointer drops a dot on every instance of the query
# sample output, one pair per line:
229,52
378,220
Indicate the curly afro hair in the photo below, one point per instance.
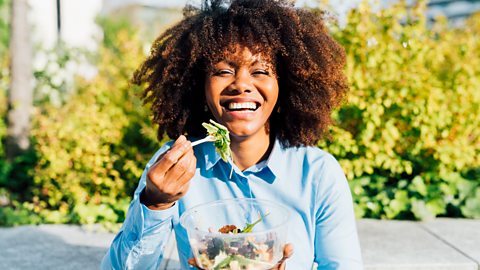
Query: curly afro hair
308,61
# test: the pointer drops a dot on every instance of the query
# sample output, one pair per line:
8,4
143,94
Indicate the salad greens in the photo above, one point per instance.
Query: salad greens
236,262
220,137
248,227
242,253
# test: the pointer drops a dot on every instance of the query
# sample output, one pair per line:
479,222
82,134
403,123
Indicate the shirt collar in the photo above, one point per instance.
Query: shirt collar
211,156
273,163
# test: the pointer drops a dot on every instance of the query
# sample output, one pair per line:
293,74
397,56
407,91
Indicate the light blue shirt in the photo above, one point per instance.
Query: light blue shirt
308,180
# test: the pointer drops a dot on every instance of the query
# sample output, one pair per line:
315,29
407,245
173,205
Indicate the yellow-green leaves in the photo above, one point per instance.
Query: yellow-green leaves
92,150
222,139
408,139
413,113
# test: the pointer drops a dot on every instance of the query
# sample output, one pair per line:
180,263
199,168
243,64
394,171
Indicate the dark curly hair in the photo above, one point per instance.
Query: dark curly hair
308,61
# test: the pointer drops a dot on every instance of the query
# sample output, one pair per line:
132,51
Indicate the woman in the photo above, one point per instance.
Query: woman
271,74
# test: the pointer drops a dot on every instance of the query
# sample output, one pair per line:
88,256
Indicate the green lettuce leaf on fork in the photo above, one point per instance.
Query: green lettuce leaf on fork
221,139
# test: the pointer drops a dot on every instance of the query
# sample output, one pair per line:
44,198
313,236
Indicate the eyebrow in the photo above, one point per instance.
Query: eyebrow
235,64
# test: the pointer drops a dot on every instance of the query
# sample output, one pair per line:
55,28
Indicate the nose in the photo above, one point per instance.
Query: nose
242,82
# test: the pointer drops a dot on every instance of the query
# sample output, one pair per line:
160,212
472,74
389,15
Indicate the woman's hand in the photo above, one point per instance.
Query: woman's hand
287,253
168,179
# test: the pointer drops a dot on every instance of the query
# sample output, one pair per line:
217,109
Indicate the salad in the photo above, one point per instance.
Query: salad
242,253
221,140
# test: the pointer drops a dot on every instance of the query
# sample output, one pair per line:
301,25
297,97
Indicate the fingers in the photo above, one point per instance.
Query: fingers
184,169
193,263
179,176
168,179
172,156
287,253
189,172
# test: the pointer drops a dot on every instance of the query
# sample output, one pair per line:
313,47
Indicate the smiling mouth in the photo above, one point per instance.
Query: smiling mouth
241,106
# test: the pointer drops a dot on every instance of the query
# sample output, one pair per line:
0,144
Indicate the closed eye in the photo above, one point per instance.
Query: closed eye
223,72
261,72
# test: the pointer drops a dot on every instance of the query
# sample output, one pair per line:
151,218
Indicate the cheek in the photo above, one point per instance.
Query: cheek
208,95
275,96
273,93
212,99
212,90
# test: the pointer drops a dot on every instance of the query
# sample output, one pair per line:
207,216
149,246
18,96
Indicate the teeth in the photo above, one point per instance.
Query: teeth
244,105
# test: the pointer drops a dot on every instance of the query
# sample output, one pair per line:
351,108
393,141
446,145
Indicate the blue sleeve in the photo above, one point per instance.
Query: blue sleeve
140,242
336,240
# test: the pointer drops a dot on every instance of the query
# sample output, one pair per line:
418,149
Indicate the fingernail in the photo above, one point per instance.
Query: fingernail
186,144
180,139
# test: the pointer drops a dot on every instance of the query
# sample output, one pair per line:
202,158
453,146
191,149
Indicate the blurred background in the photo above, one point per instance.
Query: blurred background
75,136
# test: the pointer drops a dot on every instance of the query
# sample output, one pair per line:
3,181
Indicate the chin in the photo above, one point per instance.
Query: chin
241,133
244,133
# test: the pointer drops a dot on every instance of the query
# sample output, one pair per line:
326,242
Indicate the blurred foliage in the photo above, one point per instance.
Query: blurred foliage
4,81
93,149
53,76
408,138
89,152
4,26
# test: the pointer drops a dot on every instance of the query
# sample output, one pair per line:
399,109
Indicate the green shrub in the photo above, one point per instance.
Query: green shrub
18,214
92,150
4,26
4,80
4,60
408,138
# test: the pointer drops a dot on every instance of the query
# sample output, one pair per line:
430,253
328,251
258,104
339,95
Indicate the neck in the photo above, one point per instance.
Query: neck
247,152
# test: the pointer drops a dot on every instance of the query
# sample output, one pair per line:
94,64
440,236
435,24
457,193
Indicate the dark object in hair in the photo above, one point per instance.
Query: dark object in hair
308,62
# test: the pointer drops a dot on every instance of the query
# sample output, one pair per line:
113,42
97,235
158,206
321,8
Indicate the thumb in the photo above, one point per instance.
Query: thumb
287,253
192,262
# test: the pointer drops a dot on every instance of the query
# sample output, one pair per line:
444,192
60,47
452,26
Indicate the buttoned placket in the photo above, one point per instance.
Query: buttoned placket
243,183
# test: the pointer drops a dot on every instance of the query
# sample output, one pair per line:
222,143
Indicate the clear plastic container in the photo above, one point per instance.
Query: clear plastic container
259,249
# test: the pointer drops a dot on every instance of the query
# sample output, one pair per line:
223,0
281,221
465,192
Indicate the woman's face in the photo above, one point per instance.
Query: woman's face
241,92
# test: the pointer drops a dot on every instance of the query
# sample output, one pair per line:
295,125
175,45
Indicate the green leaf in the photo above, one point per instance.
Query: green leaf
419,186
398,204
224,263
471,208
421,211
222,138
249,227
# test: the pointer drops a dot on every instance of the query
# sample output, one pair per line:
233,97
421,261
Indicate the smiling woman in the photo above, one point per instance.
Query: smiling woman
294,42
271,74
241,92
